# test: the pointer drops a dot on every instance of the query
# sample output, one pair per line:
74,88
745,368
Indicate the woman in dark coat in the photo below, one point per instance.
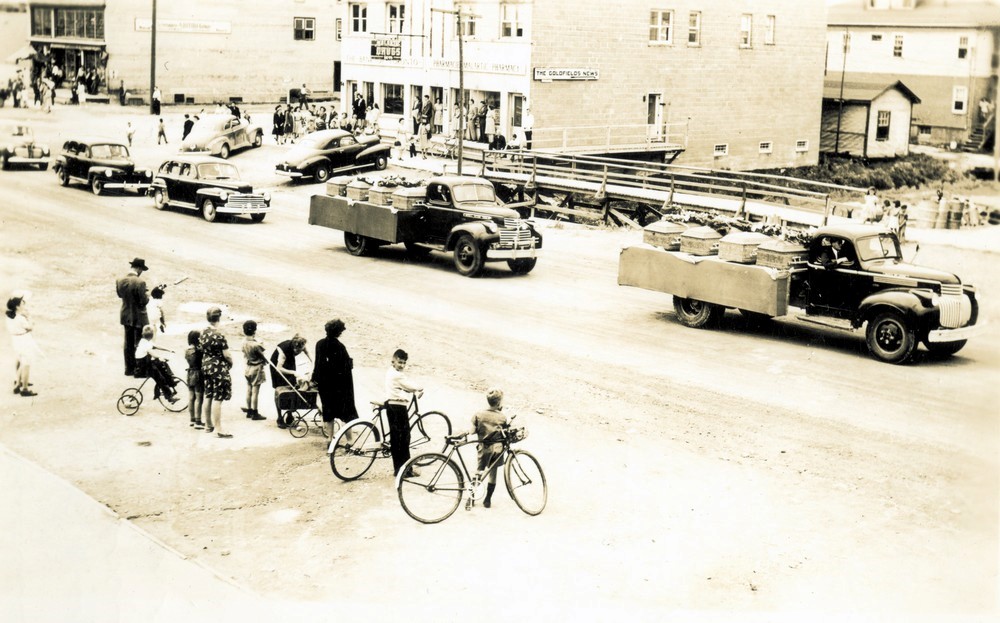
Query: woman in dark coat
332,373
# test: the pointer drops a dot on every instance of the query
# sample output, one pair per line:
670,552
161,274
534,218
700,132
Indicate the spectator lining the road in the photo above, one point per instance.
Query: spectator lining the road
253,352
215,365
149,362
25,350
197,397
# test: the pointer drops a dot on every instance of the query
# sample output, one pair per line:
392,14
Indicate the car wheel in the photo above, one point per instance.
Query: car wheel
381,162
63,176
258,139
97,185
258,218
208,211
322,173
890,338
357,244
695,313
468,256
224,151
160,198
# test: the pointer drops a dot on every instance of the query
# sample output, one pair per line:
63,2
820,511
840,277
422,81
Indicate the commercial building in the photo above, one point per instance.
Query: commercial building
945,51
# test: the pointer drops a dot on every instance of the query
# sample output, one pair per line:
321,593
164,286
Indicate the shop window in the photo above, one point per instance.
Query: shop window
392,99
304,28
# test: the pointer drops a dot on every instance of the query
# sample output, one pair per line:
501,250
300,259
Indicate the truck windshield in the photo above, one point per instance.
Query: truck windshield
463,193
881,247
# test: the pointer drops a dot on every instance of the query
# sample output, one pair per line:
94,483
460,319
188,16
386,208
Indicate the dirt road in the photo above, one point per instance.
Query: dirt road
776,470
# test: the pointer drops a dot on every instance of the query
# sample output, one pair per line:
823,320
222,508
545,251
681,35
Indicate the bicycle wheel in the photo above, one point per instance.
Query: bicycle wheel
299,427
182,394
128,403
525,481
433,494
428,432
354,450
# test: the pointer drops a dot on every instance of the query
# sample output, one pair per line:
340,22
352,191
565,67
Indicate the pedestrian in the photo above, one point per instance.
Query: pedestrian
284,373
493,125
360,108
487,426
154,311
253,352
470,121
372,118
425,138
527,126
457,117
131,290
415,114
871,205
278,124
129,133
161,132
150,360
188,124
398,390
289,128
196,396
481,113
903,218
215,365
156,101
438,119
402,138
427,112
332,373
304,94
25,349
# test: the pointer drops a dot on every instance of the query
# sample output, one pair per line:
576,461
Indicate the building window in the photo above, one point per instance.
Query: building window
359,17
959,100
897,46
510,21
304,28
924,130
75,23
396,16
746,30
694,28
41,22
661,27
876,37
765,147
392,99
722,149
340,29
467,26
882,125
963,47
769,30
801,146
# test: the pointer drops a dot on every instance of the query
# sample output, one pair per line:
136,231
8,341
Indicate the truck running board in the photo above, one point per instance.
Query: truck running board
834,323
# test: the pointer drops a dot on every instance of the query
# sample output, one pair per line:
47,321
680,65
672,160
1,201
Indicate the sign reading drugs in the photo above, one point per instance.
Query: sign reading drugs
387,47
561,73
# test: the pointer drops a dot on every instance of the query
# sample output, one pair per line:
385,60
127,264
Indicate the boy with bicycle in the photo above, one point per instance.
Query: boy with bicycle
397,405
488,425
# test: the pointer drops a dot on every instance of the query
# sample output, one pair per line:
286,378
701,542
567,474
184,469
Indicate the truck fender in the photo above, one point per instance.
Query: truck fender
914,308
477,230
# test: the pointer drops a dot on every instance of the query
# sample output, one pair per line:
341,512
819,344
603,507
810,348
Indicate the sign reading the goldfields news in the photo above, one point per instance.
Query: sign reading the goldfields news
387,47
546,74
184,25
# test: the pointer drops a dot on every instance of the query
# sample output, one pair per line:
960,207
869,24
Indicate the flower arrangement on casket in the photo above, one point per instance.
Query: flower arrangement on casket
391,181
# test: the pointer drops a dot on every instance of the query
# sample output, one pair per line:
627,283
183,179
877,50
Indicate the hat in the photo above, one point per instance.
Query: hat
139,263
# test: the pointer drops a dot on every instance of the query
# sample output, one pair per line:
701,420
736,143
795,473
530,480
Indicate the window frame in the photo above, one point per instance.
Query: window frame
340,28
963,47
386,96
467,26
511,26
720,149
770,29
882,129
308,27
694,29
962,100
357,13
664,34
765,147
399,21
802,146
746,31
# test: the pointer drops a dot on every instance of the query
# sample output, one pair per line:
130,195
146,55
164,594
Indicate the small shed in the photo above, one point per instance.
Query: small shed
867,120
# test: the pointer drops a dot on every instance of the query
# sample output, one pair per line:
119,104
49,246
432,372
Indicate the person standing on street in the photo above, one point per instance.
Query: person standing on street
283,371
161,132
398,390
332,373
25,349
188,124
156,101
527,126
216,362
132,291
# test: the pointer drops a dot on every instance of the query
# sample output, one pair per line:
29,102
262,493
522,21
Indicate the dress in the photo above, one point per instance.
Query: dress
278,123
215,376
25,348
332,373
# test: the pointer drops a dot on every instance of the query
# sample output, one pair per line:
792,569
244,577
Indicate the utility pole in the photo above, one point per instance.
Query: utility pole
461,77
843,73
152,58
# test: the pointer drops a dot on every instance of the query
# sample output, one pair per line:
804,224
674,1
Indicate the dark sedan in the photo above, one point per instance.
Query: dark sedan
322,153
101,164
208,185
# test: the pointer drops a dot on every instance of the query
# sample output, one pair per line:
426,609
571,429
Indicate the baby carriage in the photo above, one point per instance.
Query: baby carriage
298,407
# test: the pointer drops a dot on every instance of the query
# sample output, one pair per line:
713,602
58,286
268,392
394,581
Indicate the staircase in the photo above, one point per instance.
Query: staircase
977,137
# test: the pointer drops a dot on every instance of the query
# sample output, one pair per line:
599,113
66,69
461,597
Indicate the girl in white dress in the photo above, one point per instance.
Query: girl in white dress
25,349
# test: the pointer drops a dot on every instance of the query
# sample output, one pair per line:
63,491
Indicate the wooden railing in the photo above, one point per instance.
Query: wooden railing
605,136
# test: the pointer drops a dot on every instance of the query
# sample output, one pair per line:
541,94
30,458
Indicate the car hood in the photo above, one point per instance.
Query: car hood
901,269
118,163
486,207
240,187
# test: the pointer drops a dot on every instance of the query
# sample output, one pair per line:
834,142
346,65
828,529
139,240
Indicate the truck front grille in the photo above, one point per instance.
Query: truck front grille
955,307
515,232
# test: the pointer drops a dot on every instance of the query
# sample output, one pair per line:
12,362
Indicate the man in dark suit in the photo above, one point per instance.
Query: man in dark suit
188,124
132,291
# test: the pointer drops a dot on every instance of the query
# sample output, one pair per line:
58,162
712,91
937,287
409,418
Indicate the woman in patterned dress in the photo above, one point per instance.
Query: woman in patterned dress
215,365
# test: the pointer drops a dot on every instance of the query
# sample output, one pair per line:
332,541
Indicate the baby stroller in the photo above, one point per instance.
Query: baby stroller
298,407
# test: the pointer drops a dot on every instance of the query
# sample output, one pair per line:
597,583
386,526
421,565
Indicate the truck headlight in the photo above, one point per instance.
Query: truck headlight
267,197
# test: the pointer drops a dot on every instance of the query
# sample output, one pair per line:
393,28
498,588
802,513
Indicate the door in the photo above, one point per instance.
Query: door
516,109
183,184
439,218
654,116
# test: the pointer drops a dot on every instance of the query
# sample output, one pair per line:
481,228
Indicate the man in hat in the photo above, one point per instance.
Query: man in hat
132,291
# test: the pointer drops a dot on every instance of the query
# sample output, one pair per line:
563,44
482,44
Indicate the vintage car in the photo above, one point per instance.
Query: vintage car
18,147
209,185
102,164
319,154
221,134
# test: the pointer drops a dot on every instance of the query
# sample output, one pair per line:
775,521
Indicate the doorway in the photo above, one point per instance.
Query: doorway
654,116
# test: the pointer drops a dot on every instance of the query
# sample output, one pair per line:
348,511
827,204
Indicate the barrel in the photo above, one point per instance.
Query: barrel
941,218
923,215
954,214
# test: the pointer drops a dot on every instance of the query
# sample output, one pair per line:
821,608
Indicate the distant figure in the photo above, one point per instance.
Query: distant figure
161,132
527,126
188,124
156,101
129,133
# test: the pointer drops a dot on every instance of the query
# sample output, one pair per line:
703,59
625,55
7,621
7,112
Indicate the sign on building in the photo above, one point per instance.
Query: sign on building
387,47
143,24
547,74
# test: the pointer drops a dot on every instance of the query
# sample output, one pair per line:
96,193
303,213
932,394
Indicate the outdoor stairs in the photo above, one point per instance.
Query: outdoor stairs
977,137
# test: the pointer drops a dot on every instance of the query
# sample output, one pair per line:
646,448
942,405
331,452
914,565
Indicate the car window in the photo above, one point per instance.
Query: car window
474,192
332,144
186,170
104,150
165,167
218,171
347,141
878,247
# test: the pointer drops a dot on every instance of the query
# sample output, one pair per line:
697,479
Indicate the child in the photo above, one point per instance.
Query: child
130,132
397,404
154,311
487,426
148,357
193,358
254,373
161,132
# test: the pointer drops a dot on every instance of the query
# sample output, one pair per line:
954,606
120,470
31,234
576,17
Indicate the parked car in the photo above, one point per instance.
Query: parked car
102,164
209,185
220,135
319,154
18,147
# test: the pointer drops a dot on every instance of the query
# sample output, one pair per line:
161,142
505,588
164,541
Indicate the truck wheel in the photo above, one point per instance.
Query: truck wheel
357,244
695,313
889,338
208,211
97,185
522,267
321,173
944,349
381,162
258,218
468,256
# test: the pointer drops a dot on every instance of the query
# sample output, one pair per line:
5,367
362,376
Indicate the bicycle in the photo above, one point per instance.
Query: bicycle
353,450
131,398
432,495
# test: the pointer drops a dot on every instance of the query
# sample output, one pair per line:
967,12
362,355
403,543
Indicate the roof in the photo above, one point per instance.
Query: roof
864,91
198,160
979,15
851,232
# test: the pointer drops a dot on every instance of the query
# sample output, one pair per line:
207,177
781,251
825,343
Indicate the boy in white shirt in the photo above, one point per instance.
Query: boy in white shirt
148,357
154,311
398,390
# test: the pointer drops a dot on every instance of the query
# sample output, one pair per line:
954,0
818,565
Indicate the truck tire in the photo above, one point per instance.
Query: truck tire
522,266
695,313
357,244
944,349
468,256
890,338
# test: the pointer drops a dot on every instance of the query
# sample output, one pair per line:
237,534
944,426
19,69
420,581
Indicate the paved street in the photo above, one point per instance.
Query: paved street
728,473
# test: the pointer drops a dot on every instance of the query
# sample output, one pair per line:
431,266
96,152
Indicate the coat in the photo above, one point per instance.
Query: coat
132,291
332,373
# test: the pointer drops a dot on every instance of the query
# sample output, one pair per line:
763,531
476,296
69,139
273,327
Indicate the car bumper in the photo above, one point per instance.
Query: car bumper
291,174
954,335
26,160
513,253
132,186
253,208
